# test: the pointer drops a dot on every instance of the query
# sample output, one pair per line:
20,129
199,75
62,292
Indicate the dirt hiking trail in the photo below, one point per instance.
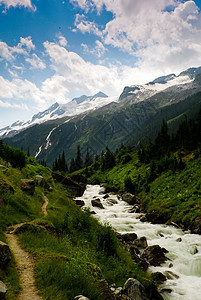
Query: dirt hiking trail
24,262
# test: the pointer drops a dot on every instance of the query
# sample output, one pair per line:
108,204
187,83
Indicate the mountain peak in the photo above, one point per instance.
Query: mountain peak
80,99
100,95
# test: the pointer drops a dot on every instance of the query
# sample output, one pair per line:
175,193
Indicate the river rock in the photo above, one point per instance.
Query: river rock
135,256
141,242
111,201
43,183
193,250
3,290
159,277
28,185
127,237
97,203
129,198
134,290
67,182
155,217
171,275
79,202
196,226
80,297
154,255
106,196
5,254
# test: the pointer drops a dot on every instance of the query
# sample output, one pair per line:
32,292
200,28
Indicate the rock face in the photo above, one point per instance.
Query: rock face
43,183
134,290
5,254
196,226
97,203
3,290
28,185
154,255
76,188
129,198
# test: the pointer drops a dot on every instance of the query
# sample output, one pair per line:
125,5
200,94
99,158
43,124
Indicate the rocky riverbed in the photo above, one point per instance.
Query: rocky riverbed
172,254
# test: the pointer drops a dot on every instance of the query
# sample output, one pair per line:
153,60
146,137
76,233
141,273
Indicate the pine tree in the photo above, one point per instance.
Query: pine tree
78,159
72,165
88,159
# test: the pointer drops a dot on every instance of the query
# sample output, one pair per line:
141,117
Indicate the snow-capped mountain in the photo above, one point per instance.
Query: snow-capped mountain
171,82
99,121
72,108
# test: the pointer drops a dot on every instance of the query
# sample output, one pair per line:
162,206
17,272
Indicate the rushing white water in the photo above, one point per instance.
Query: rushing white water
184,269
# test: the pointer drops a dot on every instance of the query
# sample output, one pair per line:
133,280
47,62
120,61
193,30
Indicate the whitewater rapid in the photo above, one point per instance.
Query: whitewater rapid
184,266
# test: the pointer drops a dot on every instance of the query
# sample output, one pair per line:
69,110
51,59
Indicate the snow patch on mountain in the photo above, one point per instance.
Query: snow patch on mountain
75,107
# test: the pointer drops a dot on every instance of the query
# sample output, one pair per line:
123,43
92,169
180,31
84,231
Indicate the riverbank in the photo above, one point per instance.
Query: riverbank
170,196
182,269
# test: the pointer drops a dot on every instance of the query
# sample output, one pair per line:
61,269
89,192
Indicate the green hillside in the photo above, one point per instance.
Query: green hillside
164,173
72,251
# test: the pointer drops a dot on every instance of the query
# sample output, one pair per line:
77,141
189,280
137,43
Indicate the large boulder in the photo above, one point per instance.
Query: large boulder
28,185
43,183
5,254
97,203
155,217
154,255
3,290
80,179
196,226
127,237
134,290
75,187
129,198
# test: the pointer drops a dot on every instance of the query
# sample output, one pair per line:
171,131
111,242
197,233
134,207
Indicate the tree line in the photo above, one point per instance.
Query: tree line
76,162
16,157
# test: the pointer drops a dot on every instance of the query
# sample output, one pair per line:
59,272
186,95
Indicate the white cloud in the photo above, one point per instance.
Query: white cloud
5,51
26,42
23,47
98,50
36,62
62,41
20,3
161,39
86,26
75,74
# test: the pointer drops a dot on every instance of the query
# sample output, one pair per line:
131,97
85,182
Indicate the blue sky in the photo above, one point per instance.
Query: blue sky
54,50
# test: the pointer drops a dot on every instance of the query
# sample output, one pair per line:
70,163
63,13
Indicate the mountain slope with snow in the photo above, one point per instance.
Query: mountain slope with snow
75,107
99,121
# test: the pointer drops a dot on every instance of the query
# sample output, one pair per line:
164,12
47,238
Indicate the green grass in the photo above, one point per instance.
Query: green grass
177,196
20,207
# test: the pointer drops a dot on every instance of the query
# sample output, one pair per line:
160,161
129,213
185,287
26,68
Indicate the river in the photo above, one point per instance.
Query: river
185,265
